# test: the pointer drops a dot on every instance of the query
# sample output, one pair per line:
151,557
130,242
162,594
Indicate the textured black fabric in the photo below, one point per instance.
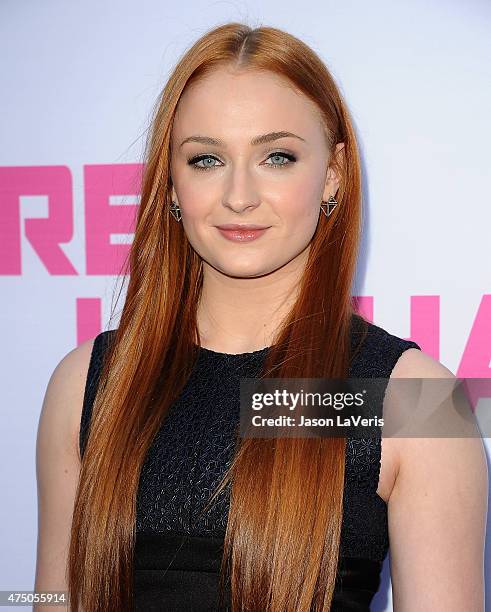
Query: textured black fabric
177,552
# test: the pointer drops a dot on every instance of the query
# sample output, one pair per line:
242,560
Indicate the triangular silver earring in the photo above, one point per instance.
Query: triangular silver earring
329,206
175,211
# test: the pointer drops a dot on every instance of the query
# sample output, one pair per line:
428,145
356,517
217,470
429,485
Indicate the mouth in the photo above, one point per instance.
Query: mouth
241,226
242,232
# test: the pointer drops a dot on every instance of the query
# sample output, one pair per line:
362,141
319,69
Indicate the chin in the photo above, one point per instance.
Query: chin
242,270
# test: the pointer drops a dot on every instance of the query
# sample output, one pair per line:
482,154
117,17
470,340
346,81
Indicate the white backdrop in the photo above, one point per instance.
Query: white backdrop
78,83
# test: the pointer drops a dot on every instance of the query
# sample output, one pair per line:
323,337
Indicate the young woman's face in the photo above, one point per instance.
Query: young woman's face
220,178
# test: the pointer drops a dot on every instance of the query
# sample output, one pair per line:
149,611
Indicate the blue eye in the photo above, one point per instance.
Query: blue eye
194,161
287,156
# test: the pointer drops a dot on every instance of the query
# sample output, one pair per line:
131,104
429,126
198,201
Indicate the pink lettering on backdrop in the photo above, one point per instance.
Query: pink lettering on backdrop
45,235
424,324
89,318
425,330
103,218
477,352
476,359
364,305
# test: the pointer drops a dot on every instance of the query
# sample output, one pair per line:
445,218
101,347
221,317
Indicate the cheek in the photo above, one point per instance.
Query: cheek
300,206
195,204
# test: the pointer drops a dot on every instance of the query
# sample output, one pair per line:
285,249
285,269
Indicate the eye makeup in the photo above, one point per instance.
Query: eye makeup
193,161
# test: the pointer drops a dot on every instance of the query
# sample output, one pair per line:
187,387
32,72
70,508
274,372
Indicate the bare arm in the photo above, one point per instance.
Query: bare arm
437,514
58,468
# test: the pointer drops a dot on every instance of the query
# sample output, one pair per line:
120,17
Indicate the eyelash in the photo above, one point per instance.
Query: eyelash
194,160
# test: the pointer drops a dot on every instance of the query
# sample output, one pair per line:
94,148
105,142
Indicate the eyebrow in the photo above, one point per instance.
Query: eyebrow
257,140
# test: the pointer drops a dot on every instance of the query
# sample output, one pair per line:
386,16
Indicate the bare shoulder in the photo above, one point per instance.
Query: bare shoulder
437,512
62,405
58,465
414,363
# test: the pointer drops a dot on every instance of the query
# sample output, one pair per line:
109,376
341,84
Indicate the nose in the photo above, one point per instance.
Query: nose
240,194
240,206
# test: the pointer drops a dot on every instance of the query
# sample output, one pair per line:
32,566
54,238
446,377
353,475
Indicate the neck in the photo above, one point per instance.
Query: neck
238,315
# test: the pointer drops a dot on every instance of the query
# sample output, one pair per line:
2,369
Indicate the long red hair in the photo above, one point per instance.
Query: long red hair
282,538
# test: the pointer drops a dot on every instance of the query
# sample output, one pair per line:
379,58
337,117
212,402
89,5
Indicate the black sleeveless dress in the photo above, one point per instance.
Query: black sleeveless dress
177,556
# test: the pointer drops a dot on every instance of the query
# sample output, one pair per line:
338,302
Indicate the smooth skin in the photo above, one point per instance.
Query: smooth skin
436,489
58,468
248,287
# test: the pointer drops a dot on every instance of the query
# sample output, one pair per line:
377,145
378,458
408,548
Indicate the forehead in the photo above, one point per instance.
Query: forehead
235,103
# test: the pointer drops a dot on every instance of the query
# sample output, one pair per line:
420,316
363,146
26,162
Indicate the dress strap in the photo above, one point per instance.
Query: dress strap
101,343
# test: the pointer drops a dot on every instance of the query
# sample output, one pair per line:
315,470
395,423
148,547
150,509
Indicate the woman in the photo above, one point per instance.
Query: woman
250,130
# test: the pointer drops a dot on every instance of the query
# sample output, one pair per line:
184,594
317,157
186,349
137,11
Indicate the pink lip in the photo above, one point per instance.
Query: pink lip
246,234
241,226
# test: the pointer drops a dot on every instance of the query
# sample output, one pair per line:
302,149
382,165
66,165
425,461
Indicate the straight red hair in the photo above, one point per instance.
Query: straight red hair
283,532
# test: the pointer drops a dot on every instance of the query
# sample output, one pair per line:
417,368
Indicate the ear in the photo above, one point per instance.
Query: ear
173,194
333,177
